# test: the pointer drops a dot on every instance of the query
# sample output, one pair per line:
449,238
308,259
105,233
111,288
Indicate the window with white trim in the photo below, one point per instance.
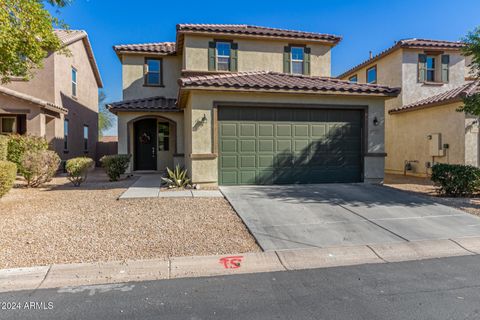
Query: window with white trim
74,82
297,55
223,55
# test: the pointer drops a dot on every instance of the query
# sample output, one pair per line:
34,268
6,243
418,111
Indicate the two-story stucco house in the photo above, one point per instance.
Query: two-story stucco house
60,102
238,104
422,124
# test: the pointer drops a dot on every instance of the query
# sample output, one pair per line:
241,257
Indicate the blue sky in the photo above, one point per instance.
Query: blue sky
369,25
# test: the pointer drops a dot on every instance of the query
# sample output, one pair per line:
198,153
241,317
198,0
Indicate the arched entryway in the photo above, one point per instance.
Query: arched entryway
154,143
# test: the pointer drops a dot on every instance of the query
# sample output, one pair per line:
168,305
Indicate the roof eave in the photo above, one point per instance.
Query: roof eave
427,105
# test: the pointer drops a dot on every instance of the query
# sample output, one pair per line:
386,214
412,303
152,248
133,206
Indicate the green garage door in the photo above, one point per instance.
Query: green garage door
281,146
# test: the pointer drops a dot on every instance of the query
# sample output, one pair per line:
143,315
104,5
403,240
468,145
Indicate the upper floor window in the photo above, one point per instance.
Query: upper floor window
353,79
222,56
8,125
297,60
372,75
153,72
433,68
74,82
85,137
223,51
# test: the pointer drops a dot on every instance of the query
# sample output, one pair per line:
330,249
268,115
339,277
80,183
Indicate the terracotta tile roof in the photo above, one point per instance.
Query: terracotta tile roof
144,104
166,48
42,103
407,43
450,96
243,29
68,37
267,80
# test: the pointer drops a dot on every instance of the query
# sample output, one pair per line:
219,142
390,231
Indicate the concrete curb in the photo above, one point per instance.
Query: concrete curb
71,275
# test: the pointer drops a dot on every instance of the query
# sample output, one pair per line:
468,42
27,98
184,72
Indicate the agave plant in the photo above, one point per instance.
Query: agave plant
177,178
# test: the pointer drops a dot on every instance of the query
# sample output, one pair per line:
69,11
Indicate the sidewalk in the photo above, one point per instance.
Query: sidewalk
71,275
148,186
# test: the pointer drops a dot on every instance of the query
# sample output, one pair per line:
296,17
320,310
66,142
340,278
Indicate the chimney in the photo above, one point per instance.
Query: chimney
370,55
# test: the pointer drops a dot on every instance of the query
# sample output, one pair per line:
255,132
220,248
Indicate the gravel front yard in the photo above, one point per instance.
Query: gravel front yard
425,187
64,224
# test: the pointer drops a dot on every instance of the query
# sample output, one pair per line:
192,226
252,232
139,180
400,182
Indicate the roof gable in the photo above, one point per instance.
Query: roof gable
67,37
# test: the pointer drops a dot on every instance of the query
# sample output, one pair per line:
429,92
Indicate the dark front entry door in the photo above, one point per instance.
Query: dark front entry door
145,144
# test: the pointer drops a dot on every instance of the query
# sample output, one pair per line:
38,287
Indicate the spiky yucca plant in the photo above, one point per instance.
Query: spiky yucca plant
177,178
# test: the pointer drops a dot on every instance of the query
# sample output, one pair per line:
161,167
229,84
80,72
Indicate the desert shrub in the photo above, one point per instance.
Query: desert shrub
3,147
39,166
18,145
8,172
115,165
177,178
77,169
455,179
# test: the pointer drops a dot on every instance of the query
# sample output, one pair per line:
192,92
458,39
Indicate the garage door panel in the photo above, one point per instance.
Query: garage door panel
266,146
228,146
277,146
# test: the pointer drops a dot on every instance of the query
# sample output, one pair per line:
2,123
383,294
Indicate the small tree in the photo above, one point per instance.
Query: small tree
26,36
105,117
472,49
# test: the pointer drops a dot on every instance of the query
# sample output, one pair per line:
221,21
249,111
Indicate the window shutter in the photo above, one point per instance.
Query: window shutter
211,56
306,62
234,57
445,63
286,59
422,67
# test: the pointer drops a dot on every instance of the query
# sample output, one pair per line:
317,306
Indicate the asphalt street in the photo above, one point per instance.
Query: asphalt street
447,288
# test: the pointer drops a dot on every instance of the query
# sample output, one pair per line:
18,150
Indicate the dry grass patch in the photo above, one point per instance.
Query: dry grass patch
64,224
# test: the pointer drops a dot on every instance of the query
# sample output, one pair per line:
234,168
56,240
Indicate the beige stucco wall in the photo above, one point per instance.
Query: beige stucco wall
254,54
409,138
125,133
133,77
201,140
42,84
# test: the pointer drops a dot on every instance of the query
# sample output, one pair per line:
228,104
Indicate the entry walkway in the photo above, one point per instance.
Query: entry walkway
149,186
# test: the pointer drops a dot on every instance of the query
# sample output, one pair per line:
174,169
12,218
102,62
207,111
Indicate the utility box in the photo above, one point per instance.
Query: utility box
435,145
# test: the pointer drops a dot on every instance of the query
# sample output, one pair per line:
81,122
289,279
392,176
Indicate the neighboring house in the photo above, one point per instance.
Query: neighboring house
422,124
60,102
238,104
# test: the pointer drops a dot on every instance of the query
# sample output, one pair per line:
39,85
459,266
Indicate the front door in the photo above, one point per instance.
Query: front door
145,144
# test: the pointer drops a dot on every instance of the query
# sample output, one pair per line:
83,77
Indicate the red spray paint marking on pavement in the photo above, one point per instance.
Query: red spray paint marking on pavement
231,262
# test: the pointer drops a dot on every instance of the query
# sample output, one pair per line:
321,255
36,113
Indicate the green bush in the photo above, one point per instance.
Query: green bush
115,165
3,147
39,166
18,145
77,169
8,172
455,179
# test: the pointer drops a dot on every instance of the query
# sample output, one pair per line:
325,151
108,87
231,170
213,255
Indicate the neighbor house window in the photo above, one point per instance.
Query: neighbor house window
372,75
163,136
85,137
297,60
353,79
65,134
153,72
8,125
223,56
74,82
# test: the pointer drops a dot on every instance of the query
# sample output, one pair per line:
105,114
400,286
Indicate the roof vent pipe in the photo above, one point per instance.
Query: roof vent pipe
370,55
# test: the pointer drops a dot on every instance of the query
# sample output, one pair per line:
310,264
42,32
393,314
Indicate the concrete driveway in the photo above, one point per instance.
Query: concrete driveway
302,216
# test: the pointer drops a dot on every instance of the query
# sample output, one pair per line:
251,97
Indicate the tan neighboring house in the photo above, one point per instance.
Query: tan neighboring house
422,124
60,102
238,104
